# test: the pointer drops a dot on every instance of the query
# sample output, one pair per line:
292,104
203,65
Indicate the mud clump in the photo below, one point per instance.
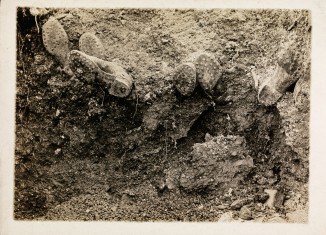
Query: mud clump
176,117
218,164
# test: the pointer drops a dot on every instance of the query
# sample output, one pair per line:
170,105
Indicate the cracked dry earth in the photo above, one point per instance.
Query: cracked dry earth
156,155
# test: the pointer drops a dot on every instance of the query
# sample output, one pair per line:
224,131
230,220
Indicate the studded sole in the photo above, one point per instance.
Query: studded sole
113,75
90,44
55,40
185,78
208,71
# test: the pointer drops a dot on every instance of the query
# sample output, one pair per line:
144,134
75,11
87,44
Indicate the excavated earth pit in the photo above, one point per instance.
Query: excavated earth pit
83,154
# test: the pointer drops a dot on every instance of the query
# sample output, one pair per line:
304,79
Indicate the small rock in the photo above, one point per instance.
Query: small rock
268,95
234,153
148,97
229,192
279,200
125,199
208,137
164,40
57,113
301,92
245,213
237,204
271,200
226,217
212,168
107,188
261,197
275,86
169,182
200,207
56,183
57,151
262,181
41,70
269,174
161,185
114,208
276,198
38,59
259,207
239,140
96,216
88,210
185,219
222,207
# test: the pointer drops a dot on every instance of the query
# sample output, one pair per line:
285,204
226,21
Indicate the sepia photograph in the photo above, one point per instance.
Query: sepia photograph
146,114
170,115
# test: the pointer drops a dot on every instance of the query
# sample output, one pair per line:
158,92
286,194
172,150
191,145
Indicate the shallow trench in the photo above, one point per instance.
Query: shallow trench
109,157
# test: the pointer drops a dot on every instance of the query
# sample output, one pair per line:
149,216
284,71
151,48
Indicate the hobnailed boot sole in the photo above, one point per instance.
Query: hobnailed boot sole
185,78
113,75
55,40
91,45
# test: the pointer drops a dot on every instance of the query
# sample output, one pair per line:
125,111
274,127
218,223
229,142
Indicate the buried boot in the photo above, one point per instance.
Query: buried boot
83,66
55,40
208,71
273,88
80,62
113,75
117,79
185,78
199,66
91,45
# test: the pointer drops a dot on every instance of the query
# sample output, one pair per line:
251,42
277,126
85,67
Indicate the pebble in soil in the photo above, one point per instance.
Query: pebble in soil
245,213
276,198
